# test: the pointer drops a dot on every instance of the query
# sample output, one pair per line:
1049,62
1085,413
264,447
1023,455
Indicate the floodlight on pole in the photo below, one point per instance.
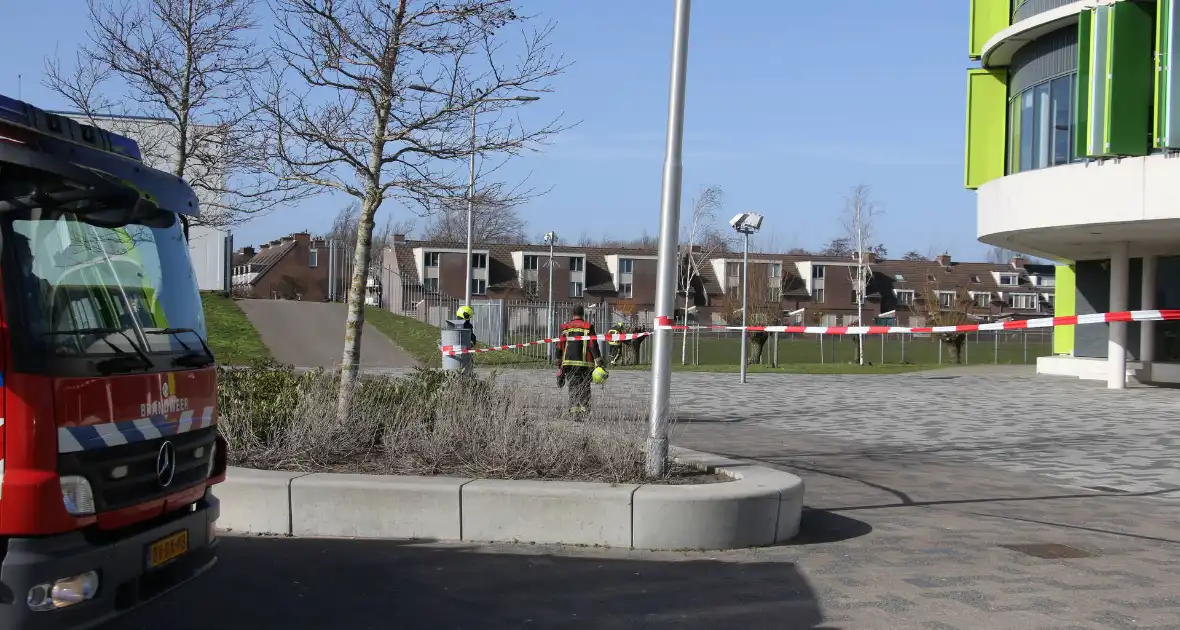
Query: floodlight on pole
746,223
551,239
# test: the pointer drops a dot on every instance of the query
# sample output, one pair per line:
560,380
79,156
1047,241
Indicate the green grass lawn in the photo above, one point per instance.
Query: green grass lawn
232,337
421,341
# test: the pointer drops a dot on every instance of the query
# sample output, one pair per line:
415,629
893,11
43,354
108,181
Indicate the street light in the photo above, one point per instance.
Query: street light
471,165
656,462
551,239
746,223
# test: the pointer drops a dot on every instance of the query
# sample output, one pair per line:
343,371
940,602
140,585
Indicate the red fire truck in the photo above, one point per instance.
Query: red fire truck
108,393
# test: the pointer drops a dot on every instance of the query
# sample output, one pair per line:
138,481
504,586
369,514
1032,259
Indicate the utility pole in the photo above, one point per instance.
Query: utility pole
551,238
661,368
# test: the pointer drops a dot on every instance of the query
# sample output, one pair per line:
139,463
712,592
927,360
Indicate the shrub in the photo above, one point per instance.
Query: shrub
427,423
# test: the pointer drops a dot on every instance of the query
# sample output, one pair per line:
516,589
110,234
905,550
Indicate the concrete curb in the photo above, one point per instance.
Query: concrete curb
760,507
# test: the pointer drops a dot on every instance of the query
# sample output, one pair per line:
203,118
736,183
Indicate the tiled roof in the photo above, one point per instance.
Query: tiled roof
887,274
267,258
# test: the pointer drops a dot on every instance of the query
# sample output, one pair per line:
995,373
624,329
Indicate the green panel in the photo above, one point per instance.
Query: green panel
987,114
1129,80
1082,98
1064,303
1166,131
1096,96
988,17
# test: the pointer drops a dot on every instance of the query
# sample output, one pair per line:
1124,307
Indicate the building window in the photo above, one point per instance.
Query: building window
625,290
975,279
479,261
1025,301
775,269
733,269
855,296
904,296
1009,280
432,258
479,286
577,263
313,258
817,272
531,263
774,294
817,296
946,299
430,285
1046,281
1040,133
1048,299
983,300
532,288
576,287
626,265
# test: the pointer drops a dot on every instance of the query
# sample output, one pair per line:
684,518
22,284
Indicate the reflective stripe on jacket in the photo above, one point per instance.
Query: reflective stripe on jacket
577,353
614,342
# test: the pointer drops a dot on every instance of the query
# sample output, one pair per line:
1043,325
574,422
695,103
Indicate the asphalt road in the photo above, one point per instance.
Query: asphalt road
311,334
317,584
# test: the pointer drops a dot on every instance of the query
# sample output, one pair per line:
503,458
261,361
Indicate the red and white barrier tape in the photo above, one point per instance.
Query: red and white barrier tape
1043,322
663,323
451,351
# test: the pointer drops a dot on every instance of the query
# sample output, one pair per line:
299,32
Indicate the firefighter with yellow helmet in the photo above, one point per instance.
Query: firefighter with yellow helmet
616,346
465,313
579,361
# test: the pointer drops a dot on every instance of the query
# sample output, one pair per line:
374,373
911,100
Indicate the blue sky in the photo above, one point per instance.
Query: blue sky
789,105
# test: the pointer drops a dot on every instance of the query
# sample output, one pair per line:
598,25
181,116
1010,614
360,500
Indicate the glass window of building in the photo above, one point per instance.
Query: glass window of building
1040,130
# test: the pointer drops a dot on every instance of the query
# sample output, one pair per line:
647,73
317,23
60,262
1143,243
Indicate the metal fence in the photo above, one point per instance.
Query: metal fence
505,322
984,347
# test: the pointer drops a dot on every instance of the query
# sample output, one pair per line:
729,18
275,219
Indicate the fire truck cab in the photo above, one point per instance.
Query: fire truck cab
108,393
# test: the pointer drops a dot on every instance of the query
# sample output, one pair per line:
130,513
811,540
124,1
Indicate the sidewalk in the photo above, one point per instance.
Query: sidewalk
899,538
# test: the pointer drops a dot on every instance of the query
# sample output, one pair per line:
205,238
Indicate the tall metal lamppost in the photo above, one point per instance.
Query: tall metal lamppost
746,223
471,167
551,239
656,462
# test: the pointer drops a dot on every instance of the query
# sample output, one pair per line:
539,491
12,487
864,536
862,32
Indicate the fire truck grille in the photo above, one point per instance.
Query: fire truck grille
127,475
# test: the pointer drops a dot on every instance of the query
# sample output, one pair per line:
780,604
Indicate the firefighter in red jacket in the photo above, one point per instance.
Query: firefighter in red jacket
578,360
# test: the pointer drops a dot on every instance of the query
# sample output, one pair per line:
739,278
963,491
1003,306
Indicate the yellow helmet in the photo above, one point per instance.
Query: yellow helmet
599,376
464,312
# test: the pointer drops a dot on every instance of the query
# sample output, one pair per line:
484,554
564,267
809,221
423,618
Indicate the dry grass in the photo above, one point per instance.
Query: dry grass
430,423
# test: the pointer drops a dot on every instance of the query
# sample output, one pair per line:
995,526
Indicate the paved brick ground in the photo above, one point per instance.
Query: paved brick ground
1066,431
921,492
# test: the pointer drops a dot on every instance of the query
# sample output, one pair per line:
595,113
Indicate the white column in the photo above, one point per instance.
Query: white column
1116,346
1147,303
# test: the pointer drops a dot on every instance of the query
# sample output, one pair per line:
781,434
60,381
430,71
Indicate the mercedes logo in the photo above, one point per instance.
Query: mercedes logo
166,464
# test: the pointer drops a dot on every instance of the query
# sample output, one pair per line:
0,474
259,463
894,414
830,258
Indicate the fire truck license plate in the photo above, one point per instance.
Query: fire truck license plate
167,549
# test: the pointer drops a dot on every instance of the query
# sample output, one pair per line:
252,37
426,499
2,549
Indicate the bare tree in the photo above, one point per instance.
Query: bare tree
946,306
375,99
763,299
701,240
494,219
174,75
860,212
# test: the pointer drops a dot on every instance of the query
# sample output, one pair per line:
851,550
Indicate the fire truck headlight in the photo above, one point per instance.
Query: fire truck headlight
64,592
77,495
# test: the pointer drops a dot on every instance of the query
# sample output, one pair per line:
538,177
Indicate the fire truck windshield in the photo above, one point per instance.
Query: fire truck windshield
108,291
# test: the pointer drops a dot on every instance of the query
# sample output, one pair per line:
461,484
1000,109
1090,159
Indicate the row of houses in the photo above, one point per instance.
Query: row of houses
812,289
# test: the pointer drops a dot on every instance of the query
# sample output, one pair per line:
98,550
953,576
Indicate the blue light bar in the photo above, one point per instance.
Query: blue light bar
21,113
125,146
13,110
